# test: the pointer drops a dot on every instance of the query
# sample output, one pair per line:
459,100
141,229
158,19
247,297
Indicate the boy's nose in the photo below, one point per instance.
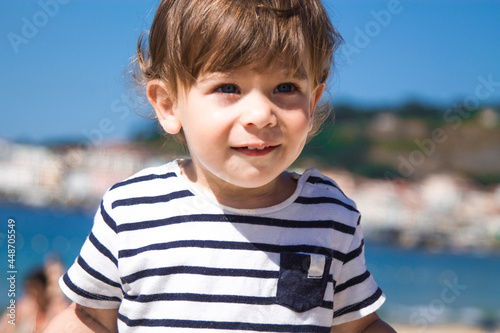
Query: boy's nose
258,111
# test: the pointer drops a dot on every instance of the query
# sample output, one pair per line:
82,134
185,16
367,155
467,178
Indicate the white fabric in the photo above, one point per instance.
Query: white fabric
169,257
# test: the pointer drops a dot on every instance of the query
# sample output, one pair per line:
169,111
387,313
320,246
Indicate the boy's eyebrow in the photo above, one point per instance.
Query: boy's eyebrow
214,75
300,74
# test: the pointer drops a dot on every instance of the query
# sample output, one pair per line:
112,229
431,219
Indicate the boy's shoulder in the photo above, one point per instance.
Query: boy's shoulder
317,178
317,185
145,182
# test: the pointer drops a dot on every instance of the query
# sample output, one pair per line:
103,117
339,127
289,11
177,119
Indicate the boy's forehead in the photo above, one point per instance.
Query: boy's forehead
277,67
299,73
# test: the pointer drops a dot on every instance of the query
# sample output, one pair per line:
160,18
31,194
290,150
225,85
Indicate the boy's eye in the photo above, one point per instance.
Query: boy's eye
227,89
285,88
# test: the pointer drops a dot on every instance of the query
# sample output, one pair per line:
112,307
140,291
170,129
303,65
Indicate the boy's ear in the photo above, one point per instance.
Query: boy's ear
165,108
316,97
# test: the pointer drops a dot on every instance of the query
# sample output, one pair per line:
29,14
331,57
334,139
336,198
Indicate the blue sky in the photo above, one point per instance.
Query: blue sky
62,61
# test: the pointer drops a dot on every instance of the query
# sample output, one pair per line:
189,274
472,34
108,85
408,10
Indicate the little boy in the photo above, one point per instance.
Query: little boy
228,240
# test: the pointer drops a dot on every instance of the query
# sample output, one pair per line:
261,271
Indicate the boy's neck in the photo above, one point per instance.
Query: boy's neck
237,197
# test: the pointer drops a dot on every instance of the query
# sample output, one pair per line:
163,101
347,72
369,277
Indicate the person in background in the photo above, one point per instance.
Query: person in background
41,301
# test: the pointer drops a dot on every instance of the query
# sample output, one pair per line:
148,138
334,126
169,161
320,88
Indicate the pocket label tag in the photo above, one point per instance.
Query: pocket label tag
317,266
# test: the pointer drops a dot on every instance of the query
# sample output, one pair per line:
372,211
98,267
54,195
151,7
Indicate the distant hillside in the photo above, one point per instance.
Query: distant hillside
411,142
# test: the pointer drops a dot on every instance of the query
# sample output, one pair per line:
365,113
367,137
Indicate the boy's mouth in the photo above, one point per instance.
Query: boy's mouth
256,150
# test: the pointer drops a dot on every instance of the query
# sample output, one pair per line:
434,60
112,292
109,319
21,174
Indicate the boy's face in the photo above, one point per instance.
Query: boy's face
244,128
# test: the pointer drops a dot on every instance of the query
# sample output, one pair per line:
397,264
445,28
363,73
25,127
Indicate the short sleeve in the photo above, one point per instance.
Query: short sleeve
93,279
356,293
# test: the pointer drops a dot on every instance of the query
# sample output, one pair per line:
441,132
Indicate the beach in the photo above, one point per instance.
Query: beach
452,328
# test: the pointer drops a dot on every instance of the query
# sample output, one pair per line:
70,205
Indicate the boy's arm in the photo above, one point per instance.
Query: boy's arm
80,319
370,323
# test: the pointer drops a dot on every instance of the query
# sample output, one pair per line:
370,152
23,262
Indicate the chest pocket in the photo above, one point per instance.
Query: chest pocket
302,280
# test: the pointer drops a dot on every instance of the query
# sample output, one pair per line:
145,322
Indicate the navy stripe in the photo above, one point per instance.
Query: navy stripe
243,219
319,180
352,282
96,274
314,224
108,219
324,200
87,294
101,248
226,245
225,325
360,305
354,253
143,178
202,298
205,298
152,200
201,271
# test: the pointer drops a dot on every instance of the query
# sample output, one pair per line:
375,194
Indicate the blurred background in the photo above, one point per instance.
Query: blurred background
414,140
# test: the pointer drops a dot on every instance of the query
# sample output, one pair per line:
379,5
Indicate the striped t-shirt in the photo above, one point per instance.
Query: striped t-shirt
171,259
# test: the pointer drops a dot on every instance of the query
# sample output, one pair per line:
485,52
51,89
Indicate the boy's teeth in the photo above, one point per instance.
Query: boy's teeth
255,148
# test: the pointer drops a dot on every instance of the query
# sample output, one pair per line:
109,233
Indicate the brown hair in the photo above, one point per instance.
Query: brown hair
191,37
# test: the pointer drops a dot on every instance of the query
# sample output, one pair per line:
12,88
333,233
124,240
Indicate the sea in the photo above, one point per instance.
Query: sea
422,288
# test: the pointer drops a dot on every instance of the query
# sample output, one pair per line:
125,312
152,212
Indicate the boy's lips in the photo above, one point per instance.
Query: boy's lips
255,150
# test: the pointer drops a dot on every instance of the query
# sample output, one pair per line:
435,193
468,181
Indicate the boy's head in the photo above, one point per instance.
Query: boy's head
189,38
